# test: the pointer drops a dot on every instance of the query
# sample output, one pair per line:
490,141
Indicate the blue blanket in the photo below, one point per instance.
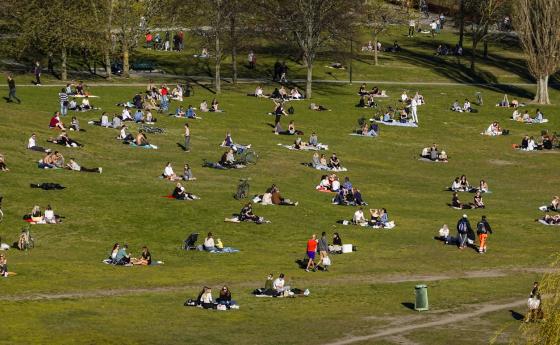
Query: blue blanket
397,123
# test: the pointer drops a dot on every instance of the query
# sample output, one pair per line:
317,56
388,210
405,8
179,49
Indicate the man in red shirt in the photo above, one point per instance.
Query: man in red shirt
311,249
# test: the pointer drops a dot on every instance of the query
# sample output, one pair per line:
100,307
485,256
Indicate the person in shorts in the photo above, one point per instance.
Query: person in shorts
311,250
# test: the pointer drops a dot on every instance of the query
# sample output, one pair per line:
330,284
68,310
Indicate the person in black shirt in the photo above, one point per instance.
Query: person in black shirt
145,259
12,90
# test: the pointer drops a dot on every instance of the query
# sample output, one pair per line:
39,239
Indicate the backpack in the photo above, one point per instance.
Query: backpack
462,227
291,110
481,228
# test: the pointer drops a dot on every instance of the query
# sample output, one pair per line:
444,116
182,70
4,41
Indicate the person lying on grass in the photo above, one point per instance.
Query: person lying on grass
144,260
3,166
56,122
179,193
169,174
72,165
32,144
550,220
318,107
64,140
228,142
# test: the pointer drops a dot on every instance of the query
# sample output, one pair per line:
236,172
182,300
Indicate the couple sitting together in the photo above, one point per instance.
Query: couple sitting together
375,91
206,301
140,140
467,108
495,129
214,106
462,185
272,196
526,118
170,175
379,218
228,142
283,94
312,144
52,160
320,163
215,246
550,220
38,217
189,113
477,202
432,153
119,256
179,193
368,130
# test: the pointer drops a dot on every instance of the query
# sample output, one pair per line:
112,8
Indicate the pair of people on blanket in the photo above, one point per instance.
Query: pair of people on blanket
378,217
525,117
313,142
348,196
272,196
180,193
329,183
47,217
477,201
120,256
434,154
169,173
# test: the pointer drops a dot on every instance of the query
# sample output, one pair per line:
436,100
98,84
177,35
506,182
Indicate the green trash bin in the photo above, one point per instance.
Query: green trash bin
421,303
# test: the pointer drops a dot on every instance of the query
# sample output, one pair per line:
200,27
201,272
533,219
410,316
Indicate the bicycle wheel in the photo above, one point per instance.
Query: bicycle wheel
251,157
1,216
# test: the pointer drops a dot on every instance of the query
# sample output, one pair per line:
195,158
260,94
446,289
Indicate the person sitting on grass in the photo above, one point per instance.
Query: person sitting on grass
277,199
36,214
190,113
139,116
209,244
228,159
180,112
32,144
295,94
141,139
4,266
494,129
336,246
467,106
215,106
187,173
359,218
56,123
319,162
169,174
179,193
291,130
125,115
64,140
246,214
72,165
444,234
465,185
550,220
48,162
50,217
75,124
279,285
477,201
483,187
228,142
112,259
334,162
144,260
225,298
205,299
3,166
456,203
317,107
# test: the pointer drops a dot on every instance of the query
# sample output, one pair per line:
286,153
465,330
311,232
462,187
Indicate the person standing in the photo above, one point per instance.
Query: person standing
323,247
483,229
12,90
37,72
63,96
187,138
463,228
433,27
411,27
311,249
414,109
535,305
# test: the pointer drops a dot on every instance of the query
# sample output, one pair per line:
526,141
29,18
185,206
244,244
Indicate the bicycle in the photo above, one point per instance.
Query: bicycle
247,157
152,129
1,212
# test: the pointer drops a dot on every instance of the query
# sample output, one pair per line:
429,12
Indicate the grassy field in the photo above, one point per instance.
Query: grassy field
63,294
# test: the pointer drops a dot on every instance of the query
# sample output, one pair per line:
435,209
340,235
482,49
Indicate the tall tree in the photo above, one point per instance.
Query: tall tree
537,23
379,15
241,25
484,13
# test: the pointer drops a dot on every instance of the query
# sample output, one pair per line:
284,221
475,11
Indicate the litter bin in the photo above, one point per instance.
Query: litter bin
421,303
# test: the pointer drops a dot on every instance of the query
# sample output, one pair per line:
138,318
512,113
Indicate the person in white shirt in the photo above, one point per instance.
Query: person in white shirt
125,116
32,144
209,242
411,27
531,144
105,120
359,217
204,106
404,96
444,233
433,27
266,199
280,285
85,104
169,174
413,110
49,216
467,106
259,91
335,185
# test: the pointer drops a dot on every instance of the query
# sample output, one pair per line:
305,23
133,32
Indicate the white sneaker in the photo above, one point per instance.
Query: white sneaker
100,170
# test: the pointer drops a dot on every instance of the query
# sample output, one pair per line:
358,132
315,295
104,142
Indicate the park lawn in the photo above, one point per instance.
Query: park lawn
124,204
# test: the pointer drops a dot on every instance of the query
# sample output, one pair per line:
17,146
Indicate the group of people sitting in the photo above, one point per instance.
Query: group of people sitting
272,196
85,105
281,93
367,130
347,194
374,92
179,193
544,142
141,139
170,175
461,184
434,154
477,202
550,219
505,103
119,256
206,300
52,160
553,207
526,118
278,288
312,144
495,129
39,217
466,107
321,163
379,218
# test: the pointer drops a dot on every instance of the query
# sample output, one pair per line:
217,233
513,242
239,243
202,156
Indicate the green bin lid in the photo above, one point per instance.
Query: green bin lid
421,286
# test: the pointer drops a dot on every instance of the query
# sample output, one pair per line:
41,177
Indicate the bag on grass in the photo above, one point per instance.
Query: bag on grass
327,261
291,110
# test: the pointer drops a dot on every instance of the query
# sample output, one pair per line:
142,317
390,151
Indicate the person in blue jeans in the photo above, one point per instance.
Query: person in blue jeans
463,228
225,297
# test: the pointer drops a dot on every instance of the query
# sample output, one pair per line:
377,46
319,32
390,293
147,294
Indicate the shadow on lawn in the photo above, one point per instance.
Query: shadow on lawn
516,316
408,305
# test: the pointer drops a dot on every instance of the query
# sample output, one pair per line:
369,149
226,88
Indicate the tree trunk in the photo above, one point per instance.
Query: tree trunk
108,42
218,62
107,64
485,52
375,62
63,68
309,80
541,97
126,65
233,35
461,22
473,52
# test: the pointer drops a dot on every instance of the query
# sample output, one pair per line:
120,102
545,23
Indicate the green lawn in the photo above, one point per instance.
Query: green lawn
124,204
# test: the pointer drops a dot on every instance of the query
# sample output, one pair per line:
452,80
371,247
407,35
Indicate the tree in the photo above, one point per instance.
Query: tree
311,24
241,21
379,15
538,26
484,13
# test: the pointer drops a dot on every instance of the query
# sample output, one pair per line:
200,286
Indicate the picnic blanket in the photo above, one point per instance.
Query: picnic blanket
531,122
361,135
431,161
84,96
388,225
398,124
223,250
545,208
307,147
545,223
325,168
144,146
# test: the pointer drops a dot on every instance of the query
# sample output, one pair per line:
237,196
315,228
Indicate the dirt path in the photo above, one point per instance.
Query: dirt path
441,321
343,280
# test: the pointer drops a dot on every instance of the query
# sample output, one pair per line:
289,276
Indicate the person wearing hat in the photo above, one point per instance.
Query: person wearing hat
463,228
483,229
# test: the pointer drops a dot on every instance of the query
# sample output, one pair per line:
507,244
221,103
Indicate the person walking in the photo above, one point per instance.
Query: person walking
187,138
433,27
311,249
63,97
12,90
323,247
483,229
37,72
414,109
463,227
